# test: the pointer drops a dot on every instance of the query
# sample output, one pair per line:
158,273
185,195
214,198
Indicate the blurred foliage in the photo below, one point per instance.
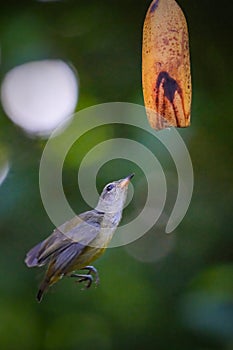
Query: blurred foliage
183,301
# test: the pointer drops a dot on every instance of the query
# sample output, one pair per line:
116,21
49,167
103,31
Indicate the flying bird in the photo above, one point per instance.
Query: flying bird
78,242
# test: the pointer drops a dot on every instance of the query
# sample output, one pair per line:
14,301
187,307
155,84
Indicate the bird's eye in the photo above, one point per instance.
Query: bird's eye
109,187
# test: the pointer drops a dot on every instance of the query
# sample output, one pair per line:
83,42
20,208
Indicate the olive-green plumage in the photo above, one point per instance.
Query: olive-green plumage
78,242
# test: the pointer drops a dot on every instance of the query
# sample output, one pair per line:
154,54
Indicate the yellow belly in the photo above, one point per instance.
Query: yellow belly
88,255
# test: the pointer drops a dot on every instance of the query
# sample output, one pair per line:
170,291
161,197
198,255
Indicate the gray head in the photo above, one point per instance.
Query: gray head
113,196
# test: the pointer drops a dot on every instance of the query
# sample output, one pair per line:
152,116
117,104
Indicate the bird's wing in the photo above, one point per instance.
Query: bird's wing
63,259
78,233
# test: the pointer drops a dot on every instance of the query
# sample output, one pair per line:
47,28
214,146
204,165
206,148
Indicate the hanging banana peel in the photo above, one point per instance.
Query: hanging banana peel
166,76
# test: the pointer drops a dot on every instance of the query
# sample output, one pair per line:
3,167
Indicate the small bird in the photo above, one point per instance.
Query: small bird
75,244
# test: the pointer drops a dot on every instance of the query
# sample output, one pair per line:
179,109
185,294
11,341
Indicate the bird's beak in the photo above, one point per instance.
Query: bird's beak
125,181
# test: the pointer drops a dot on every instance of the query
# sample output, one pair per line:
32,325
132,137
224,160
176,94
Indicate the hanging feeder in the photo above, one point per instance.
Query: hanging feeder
166,76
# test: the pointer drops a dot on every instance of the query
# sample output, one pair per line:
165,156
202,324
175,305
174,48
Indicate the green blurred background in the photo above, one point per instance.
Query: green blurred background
179,300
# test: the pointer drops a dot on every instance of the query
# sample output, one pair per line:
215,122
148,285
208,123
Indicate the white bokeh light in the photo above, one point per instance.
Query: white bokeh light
39,95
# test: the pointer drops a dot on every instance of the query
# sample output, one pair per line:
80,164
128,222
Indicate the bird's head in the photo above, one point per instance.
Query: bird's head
113,196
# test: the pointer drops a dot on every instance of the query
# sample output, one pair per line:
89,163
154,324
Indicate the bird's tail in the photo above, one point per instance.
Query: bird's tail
42,289
45,284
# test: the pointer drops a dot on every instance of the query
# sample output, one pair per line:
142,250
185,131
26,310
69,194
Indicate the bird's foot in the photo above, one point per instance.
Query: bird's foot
83,278
93,270
88,278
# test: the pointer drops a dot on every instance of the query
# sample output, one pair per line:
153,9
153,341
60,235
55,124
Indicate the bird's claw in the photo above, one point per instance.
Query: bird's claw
88,278
83,278
92,269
